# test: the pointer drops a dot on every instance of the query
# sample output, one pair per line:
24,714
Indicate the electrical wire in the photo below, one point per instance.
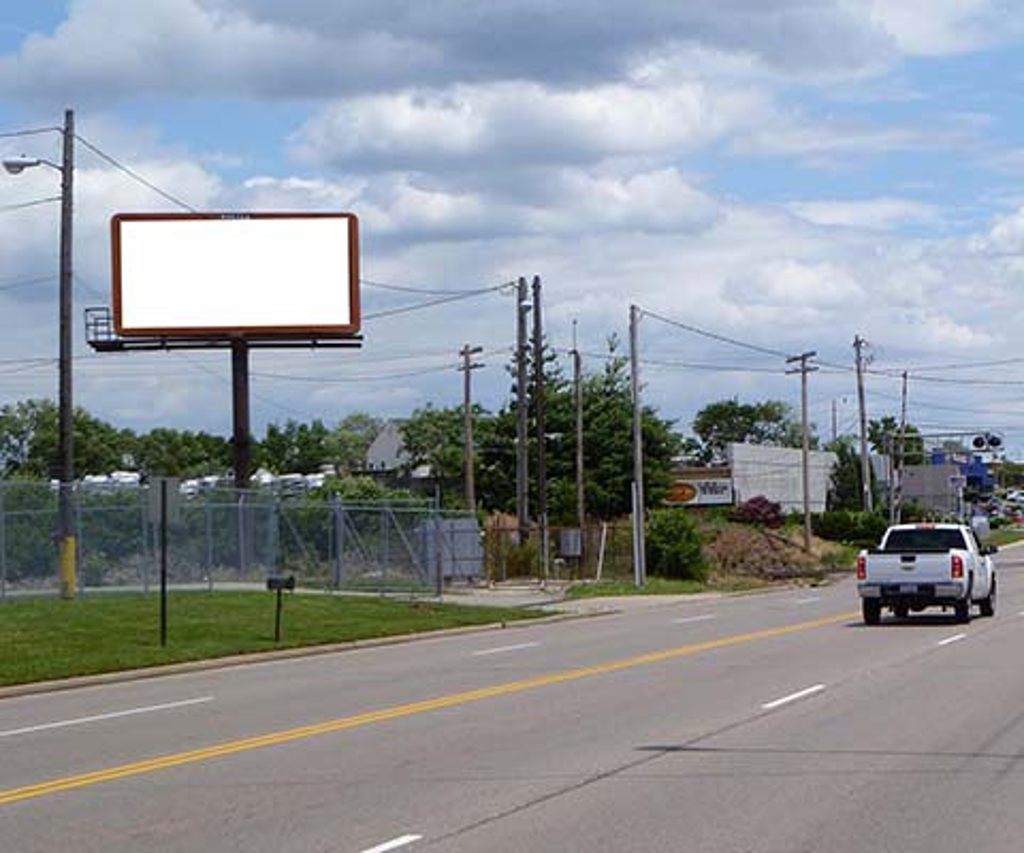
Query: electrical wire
704,333
25,282
420,306
24,205
404,288
35,131
135,175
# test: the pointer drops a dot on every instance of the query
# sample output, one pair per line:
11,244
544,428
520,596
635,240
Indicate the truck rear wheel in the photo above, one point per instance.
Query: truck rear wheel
872,610
988,605
962,610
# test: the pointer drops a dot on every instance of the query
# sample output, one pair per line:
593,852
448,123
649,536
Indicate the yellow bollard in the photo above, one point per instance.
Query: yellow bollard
68,575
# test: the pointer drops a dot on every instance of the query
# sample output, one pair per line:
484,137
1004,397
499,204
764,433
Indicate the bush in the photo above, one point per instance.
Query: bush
674,546
759,510
522,560
859,528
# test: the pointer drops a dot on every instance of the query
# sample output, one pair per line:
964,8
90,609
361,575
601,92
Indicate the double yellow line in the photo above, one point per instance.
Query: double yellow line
152,765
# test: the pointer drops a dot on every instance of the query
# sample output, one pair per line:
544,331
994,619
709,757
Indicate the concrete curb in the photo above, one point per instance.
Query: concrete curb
187,667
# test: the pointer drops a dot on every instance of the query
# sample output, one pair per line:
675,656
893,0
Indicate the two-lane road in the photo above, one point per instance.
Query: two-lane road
772,722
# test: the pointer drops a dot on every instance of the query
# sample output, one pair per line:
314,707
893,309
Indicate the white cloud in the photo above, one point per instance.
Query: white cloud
880,214
942,27
513,123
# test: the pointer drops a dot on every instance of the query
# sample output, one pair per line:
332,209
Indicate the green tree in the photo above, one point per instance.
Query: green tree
730,421
350,439
434,437
29,442
883,435
164,452
844,491
295,447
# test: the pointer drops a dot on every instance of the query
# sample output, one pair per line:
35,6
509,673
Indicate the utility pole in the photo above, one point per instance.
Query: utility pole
542,481
577,386
865,461
639,545
897,499
468,366
64,466
522,460
68,546
803,370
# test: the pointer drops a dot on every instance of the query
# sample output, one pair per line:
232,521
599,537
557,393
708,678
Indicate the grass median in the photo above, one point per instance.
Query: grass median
42,639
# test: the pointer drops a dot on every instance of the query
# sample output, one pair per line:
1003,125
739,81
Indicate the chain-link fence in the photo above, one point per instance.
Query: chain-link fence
602,550
223,538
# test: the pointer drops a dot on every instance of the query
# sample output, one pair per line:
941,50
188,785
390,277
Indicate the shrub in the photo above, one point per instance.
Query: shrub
522,560
861,528
674,546
759,510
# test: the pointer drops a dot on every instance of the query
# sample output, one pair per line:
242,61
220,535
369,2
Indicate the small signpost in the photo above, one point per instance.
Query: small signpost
279,585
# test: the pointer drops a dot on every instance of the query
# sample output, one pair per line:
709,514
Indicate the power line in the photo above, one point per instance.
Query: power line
420,306
704,333
35,131
8,208
135,175
25,282
405,288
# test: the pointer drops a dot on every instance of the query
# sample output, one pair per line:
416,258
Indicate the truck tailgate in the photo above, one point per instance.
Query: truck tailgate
910,568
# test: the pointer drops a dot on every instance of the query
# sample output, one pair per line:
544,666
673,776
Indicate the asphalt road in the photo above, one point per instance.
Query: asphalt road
773,722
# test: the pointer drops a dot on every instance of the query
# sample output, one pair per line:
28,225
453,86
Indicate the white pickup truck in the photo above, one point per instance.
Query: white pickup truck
927,565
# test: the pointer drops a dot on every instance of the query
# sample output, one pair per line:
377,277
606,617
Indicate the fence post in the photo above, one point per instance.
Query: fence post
242,535
209,541
438,561
338,515
3,543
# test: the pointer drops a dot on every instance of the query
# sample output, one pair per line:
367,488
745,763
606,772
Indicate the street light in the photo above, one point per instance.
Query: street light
65,453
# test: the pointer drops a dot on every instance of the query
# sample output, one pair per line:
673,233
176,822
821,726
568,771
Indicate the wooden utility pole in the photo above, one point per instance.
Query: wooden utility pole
639,544
865,460
577,385
468,366
803,370
897,500
522,442
542,481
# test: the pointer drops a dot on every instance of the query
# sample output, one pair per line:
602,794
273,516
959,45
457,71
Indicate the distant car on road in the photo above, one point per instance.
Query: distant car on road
927,565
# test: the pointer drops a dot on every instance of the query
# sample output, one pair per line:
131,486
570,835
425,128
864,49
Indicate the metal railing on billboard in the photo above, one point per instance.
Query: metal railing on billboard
228,539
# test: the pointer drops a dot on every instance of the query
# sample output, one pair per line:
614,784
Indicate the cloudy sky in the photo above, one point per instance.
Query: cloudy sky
786,174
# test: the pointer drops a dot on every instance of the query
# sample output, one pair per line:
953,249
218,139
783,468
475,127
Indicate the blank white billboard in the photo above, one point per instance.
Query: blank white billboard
262,274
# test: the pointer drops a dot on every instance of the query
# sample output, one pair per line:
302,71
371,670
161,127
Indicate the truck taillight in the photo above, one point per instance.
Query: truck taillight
862,568
956,567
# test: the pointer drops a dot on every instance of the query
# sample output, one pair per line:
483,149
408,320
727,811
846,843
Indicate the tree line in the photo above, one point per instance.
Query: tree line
433,436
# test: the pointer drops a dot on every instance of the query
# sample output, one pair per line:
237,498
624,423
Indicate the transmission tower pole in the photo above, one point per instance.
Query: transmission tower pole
865,461
803,370
468,366
522,459
542,481
639,545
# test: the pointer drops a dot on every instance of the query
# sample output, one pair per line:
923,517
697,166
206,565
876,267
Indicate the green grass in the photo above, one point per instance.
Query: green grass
44,639
1004,536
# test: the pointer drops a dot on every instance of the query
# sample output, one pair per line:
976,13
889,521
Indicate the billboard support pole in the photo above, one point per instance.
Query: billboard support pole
240,401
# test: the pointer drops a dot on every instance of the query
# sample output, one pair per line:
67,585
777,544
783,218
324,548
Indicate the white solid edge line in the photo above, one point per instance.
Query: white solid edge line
792,697
393,844
130,712
685,619
952,639
514,648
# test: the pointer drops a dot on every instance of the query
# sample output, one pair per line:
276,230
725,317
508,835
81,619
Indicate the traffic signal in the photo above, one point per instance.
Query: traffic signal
987,441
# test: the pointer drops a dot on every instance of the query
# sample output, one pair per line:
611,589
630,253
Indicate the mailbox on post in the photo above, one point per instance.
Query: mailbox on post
279,584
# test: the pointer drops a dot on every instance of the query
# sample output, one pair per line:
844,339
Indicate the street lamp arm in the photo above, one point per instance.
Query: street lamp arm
17,165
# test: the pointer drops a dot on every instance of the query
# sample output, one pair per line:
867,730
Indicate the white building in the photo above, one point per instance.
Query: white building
777,474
